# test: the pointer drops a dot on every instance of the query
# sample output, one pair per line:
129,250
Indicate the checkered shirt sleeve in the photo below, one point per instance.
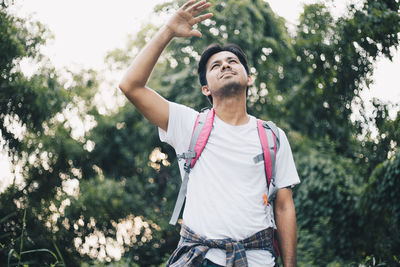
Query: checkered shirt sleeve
193,247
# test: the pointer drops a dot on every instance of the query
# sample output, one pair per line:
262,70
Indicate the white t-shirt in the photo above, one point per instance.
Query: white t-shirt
225,190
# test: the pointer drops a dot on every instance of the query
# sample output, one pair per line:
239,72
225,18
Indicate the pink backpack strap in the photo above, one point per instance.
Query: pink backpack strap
269,139
201,131
204,133
266,152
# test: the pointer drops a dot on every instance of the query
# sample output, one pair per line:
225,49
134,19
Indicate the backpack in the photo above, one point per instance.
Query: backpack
269,139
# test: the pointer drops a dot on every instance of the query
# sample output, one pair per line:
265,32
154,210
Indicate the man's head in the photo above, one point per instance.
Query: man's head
215,61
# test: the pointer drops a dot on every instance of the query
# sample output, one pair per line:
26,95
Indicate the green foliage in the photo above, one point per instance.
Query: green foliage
325,206
370,261
22,98
376,150
38,139
381,198
334,62
22,256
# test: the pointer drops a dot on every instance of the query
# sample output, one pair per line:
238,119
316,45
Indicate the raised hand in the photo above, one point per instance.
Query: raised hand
181,23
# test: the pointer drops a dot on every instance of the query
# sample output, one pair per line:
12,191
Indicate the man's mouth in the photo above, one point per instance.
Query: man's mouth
227,73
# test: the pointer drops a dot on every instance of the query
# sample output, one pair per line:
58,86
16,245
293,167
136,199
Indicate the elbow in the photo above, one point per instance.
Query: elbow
128,86
122,86
125,86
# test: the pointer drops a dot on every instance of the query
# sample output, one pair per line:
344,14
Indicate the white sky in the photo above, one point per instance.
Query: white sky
85,30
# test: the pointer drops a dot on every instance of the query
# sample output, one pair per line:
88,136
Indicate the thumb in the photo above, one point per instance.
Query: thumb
195,33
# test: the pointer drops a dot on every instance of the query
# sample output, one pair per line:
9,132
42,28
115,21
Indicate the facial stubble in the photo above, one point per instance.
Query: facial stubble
229,90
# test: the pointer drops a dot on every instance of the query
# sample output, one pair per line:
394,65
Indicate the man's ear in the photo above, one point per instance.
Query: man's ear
205,90
250,80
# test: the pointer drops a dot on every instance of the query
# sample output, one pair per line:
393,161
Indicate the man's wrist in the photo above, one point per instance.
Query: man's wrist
167,31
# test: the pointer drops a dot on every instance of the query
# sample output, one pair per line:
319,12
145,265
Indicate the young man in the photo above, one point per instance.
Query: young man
224,206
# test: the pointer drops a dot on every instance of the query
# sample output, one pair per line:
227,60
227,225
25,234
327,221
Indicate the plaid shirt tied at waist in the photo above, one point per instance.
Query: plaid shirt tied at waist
192,248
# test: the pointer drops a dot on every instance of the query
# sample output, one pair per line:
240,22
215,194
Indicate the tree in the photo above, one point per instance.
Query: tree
335,63
37,138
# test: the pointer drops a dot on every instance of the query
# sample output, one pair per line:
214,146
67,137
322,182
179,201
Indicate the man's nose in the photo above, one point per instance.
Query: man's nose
226,65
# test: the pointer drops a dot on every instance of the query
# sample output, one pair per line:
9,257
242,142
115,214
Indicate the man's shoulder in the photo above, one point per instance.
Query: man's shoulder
181,116
176,107
274,124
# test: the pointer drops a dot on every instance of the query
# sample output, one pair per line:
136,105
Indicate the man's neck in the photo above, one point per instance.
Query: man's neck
232,110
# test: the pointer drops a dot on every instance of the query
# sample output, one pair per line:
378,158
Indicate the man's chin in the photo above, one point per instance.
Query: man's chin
230,88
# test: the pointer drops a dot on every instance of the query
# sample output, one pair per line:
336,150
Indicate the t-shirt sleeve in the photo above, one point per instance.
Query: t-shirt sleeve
286,173
180,126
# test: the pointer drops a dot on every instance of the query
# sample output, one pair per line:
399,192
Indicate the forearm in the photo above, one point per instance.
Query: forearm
285,218
139,72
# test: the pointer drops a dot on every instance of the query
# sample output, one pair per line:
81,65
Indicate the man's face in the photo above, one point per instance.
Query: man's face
226,76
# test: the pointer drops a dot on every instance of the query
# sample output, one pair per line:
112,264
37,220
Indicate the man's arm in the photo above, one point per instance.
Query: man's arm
153,106
285,218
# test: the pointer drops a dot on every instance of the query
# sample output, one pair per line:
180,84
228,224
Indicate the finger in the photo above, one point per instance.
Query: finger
195,33
203,17
187,4
201,8
196,6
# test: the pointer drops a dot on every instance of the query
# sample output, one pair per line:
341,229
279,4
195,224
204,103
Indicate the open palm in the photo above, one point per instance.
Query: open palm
184,19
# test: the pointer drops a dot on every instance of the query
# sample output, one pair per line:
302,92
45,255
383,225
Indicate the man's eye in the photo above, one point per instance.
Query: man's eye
232,61
215,65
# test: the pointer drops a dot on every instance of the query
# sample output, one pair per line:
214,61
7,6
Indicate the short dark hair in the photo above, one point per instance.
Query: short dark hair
216,48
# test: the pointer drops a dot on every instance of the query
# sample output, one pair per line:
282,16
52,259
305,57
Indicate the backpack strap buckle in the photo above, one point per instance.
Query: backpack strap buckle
186,155
258,158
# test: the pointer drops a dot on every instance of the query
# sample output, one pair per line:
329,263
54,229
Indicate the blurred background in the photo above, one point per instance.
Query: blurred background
84,179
